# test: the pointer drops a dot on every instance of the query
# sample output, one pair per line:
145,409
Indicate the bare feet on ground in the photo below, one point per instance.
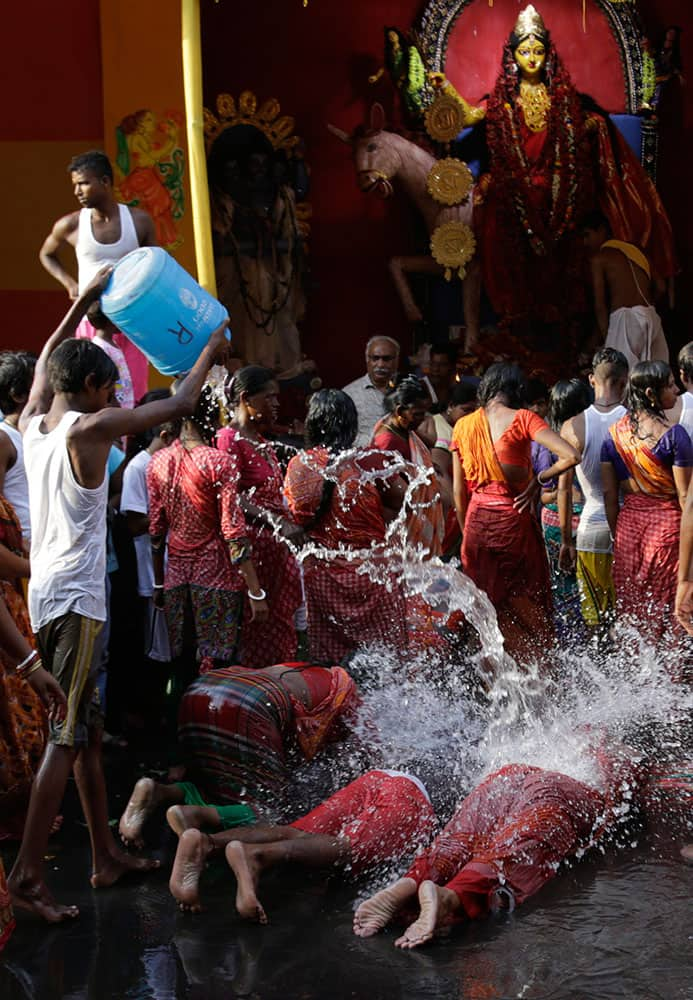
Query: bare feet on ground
687,853
436,904
117,864
143,801
375,913
36,898
243,863
194,847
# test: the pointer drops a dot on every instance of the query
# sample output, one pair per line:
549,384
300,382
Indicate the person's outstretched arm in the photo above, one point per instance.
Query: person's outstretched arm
41,394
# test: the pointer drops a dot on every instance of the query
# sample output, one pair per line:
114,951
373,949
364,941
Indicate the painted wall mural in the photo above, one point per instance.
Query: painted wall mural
150,165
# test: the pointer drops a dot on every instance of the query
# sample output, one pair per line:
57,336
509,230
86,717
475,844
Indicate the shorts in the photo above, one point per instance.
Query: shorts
229,816
382,816
70,648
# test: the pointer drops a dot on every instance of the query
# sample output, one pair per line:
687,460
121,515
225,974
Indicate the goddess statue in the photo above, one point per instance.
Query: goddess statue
554,155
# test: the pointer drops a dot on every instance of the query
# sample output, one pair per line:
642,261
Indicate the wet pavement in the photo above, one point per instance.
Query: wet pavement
611,926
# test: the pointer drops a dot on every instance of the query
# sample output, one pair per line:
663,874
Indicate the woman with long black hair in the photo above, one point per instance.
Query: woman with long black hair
649,461
336,500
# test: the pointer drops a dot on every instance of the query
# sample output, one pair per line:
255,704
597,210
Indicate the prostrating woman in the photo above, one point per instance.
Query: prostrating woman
352,595
253,395
237,728
406,402
502,549
193,506
650,461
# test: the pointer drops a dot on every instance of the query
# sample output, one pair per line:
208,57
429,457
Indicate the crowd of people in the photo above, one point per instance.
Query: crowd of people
243,570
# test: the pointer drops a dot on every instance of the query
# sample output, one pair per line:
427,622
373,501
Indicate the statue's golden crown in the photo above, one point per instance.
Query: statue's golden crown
278,129
530,22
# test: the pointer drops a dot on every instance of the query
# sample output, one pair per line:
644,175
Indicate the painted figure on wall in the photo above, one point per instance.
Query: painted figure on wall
150,162
256,181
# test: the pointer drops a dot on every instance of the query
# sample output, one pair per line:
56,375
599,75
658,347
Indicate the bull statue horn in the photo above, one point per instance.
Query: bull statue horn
340,133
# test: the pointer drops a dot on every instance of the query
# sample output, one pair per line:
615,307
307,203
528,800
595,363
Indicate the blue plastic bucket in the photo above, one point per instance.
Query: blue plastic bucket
161,309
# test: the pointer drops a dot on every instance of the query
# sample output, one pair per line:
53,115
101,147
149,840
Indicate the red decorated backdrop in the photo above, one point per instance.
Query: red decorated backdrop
316,61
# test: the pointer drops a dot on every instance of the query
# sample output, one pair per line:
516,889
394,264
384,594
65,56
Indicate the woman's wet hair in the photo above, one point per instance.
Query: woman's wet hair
249,380
404,391
16,376
506,380
332,420
206,415
567,398
71,363
646,375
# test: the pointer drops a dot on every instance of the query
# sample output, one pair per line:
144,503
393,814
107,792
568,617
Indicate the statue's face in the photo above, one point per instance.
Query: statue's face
530,56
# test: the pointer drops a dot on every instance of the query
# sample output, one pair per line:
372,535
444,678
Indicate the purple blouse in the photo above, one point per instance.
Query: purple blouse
673,448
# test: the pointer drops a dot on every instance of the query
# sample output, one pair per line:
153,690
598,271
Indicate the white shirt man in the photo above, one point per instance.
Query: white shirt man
368,392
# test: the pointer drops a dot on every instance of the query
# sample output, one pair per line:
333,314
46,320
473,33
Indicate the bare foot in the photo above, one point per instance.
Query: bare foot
194,848
143,801
687,853
436,904
375,913
181,818
117,864
247,870
36,898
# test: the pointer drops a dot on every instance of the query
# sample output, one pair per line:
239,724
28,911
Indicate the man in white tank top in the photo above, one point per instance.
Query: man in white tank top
16,376
101,233
682,411
593,548
69,427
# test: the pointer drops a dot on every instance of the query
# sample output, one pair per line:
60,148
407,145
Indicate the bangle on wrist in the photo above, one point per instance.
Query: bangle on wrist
262,596
539,480
26,674
27,660
158,586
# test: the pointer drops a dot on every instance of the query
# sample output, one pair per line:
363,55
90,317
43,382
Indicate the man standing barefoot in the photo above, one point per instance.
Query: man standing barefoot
69,427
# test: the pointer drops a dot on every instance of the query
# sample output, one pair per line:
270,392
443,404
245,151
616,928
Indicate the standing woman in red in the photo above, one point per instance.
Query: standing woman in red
253,395
650,461
494,491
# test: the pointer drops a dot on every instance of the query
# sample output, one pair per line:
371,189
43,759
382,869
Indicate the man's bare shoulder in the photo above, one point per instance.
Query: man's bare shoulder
573,431
66,226
144,226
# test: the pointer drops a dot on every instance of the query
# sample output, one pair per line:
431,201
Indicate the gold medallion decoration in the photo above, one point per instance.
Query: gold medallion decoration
453,246
450,181
444,118
266,118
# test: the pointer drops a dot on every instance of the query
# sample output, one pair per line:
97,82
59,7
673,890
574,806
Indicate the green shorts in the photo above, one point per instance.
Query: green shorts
70,648
236,815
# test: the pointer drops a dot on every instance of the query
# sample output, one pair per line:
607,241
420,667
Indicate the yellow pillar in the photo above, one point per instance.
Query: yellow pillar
197,160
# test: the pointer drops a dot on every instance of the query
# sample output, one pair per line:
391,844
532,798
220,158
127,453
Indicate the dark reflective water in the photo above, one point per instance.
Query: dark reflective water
612,926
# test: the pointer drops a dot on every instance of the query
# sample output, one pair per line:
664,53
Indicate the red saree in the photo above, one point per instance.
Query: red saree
346,608
502,548
23,726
